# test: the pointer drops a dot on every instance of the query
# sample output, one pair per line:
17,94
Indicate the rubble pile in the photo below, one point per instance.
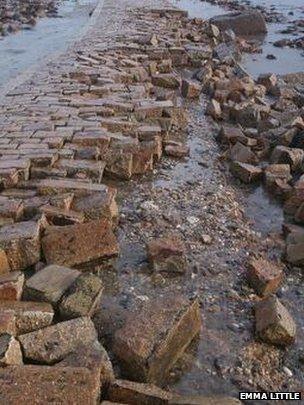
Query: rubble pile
23,14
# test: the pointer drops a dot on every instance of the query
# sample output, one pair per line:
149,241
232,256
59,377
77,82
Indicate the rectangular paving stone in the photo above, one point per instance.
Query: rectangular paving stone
82,298
82,167
96,205
81,243
11,286
19,245
28,316
129,392
55,342
152,340
50,283
94,357
50,186
43,384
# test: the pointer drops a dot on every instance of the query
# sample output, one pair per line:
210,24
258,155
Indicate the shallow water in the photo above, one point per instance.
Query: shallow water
287,60
26,48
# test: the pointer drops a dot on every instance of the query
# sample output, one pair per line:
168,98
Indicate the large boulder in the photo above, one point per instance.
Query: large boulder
242,23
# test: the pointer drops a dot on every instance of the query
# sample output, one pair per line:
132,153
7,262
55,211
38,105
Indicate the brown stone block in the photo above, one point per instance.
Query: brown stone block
50,283
81,243
25,316
133,393
11,286
41,385
152,340
264,276
19,245
54,343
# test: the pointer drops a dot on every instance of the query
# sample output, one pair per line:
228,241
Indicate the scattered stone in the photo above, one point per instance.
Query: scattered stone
84,243
167,255
50,283
167,80
246,172
264,276
177,150
242,154
206,239
214,109
277,172
95,358
190,89
11,286
19,246
268,80
27,316
43,384
7,323
274,324
54,343
231,135
152,340
10,351
82,298
291,156
129,392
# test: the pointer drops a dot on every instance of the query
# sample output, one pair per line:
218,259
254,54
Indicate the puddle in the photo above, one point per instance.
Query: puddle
26,48
264,212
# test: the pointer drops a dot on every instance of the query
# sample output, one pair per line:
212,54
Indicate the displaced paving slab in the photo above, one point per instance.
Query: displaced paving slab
83,243
26,316
50,283
52,344
42,384
19,246
152,340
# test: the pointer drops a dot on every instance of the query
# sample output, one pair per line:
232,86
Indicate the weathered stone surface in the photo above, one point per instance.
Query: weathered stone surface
52,344
231,135
177,150
268,80
83,243
243,154
202,400
50,283
11,286
19,246
295,252
214,109
54,186
291,156
264,276
28,316
133,393
190,89
10,351
152,340
246,172
82,298
167,80
167,255
277,171
96,205
8,322
43,384
242,23
94,357
274,323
